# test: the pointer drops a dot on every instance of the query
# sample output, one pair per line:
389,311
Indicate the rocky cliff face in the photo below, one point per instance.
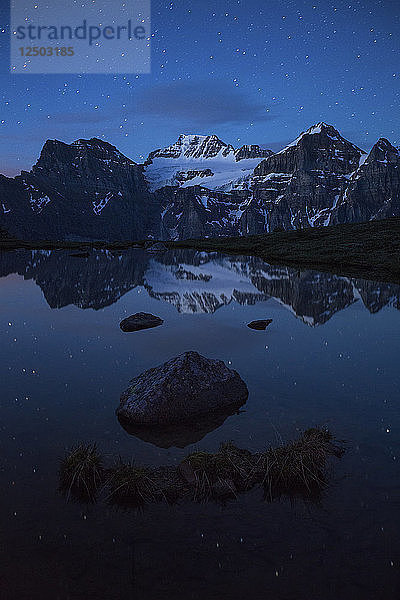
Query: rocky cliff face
374,189
321,148
252,151
183,176
86,189
298,187
198,212
200,186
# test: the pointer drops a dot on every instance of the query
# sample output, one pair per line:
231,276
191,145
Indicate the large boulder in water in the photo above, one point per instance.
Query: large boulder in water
182,389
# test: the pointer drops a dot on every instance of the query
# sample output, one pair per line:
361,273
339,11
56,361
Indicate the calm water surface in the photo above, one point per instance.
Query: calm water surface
330,357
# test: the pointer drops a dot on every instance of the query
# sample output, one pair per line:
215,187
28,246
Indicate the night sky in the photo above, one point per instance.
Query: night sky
251,71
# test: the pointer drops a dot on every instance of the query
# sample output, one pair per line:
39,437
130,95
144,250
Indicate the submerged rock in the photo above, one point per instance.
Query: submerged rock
260,325
182,389
140,321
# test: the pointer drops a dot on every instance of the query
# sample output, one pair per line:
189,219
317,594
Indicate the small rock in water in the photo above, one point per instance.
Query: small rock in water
260,325
140,321
182,389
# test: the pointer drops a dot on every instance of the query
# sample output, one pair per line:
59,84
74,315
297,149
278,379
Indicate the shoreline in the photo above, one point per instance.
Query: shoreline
369,250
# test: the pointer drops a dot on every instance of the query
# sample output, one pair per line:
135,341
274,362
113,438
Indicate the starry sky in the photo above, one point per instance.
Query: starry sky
250,71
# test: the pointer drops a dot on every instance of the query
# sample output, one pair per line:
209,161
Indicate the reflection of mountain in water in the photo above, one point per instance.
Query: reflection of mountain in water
203,283
93,282
194,282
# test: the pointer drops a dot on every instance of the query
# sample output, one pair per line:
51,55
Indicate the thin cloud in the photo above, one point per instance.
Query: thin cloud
200,103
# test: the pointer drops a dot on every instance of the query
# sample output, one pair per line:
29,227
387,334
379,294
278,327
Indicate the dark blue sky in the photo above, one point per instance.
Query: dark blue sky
251,71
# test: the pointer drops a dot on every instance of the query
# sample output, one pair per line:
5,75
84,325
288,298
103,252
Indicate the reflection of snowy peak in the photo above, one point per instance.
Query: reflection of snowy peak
200,288
194,282
202,285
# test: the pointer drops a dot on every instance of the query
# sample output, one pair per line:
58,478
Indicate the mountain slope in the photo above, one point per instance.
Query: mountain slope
298,187
86,189
374,188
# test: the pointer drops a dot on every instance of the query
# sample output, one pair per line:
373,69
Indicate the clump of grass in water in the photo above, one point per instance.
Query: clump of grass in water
132,485
226,471
81,472
298,468
203,467
295,469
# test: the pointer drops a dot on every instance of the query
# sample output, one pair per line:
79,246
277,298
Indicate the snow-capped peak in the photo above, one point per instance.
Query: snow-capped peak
328,138
318,128
189,140
194,146
196,139
383,152
207,159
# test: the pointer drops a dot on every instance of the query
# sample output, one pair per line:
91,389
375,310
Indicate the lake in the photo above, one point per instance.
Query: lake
330,357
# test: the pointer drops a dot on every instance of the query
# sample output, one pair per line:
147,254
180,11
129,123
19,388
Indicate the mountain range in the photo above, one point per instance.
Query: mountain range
200,187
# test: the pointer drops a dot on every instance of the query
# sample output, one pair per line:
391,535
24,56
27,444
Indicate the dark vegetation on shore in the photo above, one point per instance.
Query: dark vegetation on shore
297,469
367,250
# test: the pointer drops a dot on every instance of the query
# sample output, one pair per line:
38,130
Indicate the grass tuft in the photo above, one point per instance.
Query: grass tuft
298,468
81,472
220,474
132,485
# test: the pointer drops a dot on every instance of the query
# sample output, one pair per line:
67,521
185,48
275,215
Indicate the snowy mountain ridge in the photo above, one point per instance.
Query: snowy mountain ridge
200,186
192,152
